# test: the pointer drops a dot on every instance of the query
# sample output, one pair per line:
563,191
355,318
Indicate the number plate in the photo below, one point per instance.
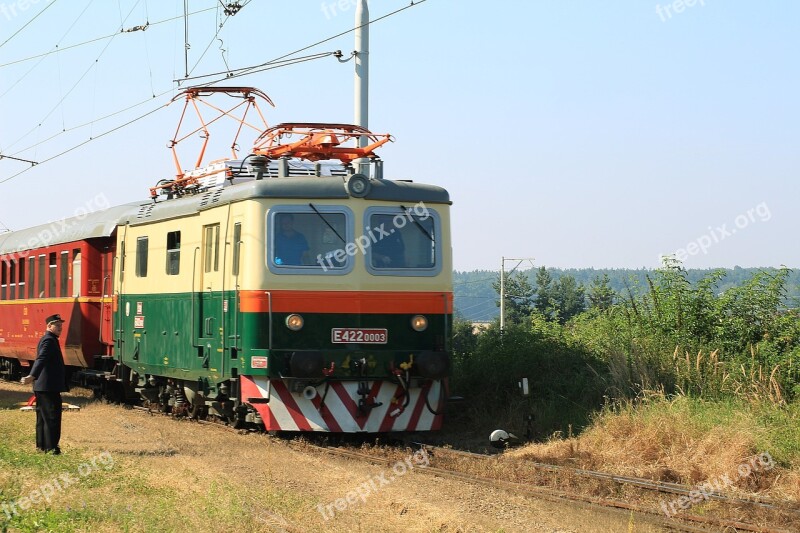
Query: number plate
359,335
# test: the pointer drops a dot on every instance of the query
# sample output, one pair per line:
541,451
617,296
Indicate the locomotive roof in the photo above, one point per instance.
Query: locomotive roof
295,188
103,223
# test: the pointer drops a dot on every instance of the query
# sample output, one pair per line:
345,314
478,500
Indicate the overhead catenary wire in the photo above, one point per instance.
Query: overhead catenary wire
40,13
202,55
18,159
91,122
130,30
87,141
71,26
268,65
275,63
74,86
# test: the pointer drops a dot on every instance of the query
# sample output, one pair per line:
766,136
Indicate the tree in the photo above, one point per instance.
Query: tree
570,298
545,303
601,295
558,300
518,296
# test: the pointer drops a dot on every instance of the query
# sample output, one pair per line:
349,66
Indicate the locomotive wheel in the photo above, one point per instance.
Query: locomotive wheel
197,409
9,369
239,419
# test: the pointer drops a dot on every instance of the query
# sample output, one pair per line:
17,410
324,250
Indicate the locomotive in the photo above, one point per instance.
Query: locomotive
294,289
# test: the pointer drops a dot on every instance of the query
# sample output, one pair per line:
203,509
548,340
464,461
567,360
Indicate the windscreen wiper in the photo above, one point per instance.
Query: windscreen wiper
326,222
416,223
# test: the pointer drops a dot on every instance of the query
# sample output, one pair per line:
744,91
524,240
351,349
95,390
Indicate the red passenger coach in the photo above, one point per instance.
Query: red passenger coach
62,268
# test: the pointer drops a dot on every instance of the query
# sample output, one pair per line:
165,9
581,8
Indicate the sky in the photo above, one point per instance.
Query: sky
577,133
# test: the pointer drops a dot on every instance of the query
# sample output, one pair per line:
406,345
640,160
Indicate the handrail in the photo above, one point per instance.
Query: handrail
269,303
102,310
236,336
194,318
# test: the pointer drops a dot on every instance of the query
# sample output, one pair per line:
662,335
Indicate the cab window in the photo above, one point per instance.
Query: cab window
309,240
403,241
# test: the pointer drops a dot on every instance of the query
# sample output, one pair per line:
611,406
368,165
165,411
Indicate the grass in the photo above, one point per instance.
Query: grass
161,475
687,440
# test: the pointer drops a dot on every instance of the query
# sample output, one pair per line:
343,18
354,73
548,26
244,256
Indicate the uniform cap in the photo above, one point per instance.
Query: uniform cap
53,318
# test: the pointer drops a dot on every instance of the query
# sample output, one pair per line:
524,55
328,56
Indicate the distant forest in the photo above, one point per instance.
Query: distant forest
476,298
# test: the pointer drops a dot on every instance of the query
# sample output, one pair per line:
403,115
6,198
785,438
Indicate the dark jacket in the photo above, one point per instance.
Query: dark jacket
48,369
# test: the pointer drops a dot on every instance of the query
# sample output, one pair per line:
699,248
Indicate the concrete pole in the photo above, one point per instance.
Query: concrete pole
502,294
362,78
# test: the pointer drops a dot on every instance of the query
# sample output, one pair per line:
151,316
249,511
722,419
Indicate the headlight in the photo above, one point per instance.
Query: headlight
419,323
358,185
294,322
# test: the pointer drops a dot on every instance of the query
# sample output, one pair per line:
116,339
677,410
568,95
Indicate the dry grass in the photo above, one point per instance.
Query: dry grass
666,441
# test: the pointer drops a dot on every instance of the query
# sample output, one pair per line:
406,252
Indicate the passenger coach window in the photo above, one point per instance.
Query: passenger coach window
173,253
32,277
12,280
53,276
21,283
310,240
76,272
403,241
142,244
42,275
64,273
4,284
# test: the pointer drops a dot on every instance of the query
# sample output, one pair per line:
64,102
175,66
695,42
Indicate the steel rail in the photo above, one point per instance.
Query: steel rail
557,495
659,486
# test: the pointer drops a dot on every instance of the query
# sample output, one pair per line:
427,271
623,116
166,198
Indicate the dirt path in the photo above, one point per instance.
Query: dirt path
178,475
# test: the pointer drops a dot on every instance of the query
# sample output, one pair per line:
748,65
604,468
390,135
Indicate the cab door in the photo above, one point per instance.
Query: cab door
106,308
209,296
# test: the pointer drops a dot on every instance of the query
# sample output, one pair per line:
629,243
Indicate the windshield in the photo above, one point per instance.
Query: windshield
305,239
402,241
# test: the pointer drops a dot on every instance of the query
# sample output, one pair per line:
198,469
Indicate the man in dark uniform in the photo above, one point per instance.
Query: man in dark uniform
50,381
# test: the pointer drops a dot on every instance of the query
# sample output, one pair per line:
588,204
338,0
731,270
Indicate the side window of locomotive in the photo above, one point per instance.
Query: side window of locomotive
142,244
309,241
173,253
237,248
211,248
122,262
403,241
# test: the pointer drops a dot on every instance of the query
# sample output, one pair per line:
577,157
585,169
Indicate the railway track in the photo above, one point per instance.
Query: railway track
762,511
682,522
